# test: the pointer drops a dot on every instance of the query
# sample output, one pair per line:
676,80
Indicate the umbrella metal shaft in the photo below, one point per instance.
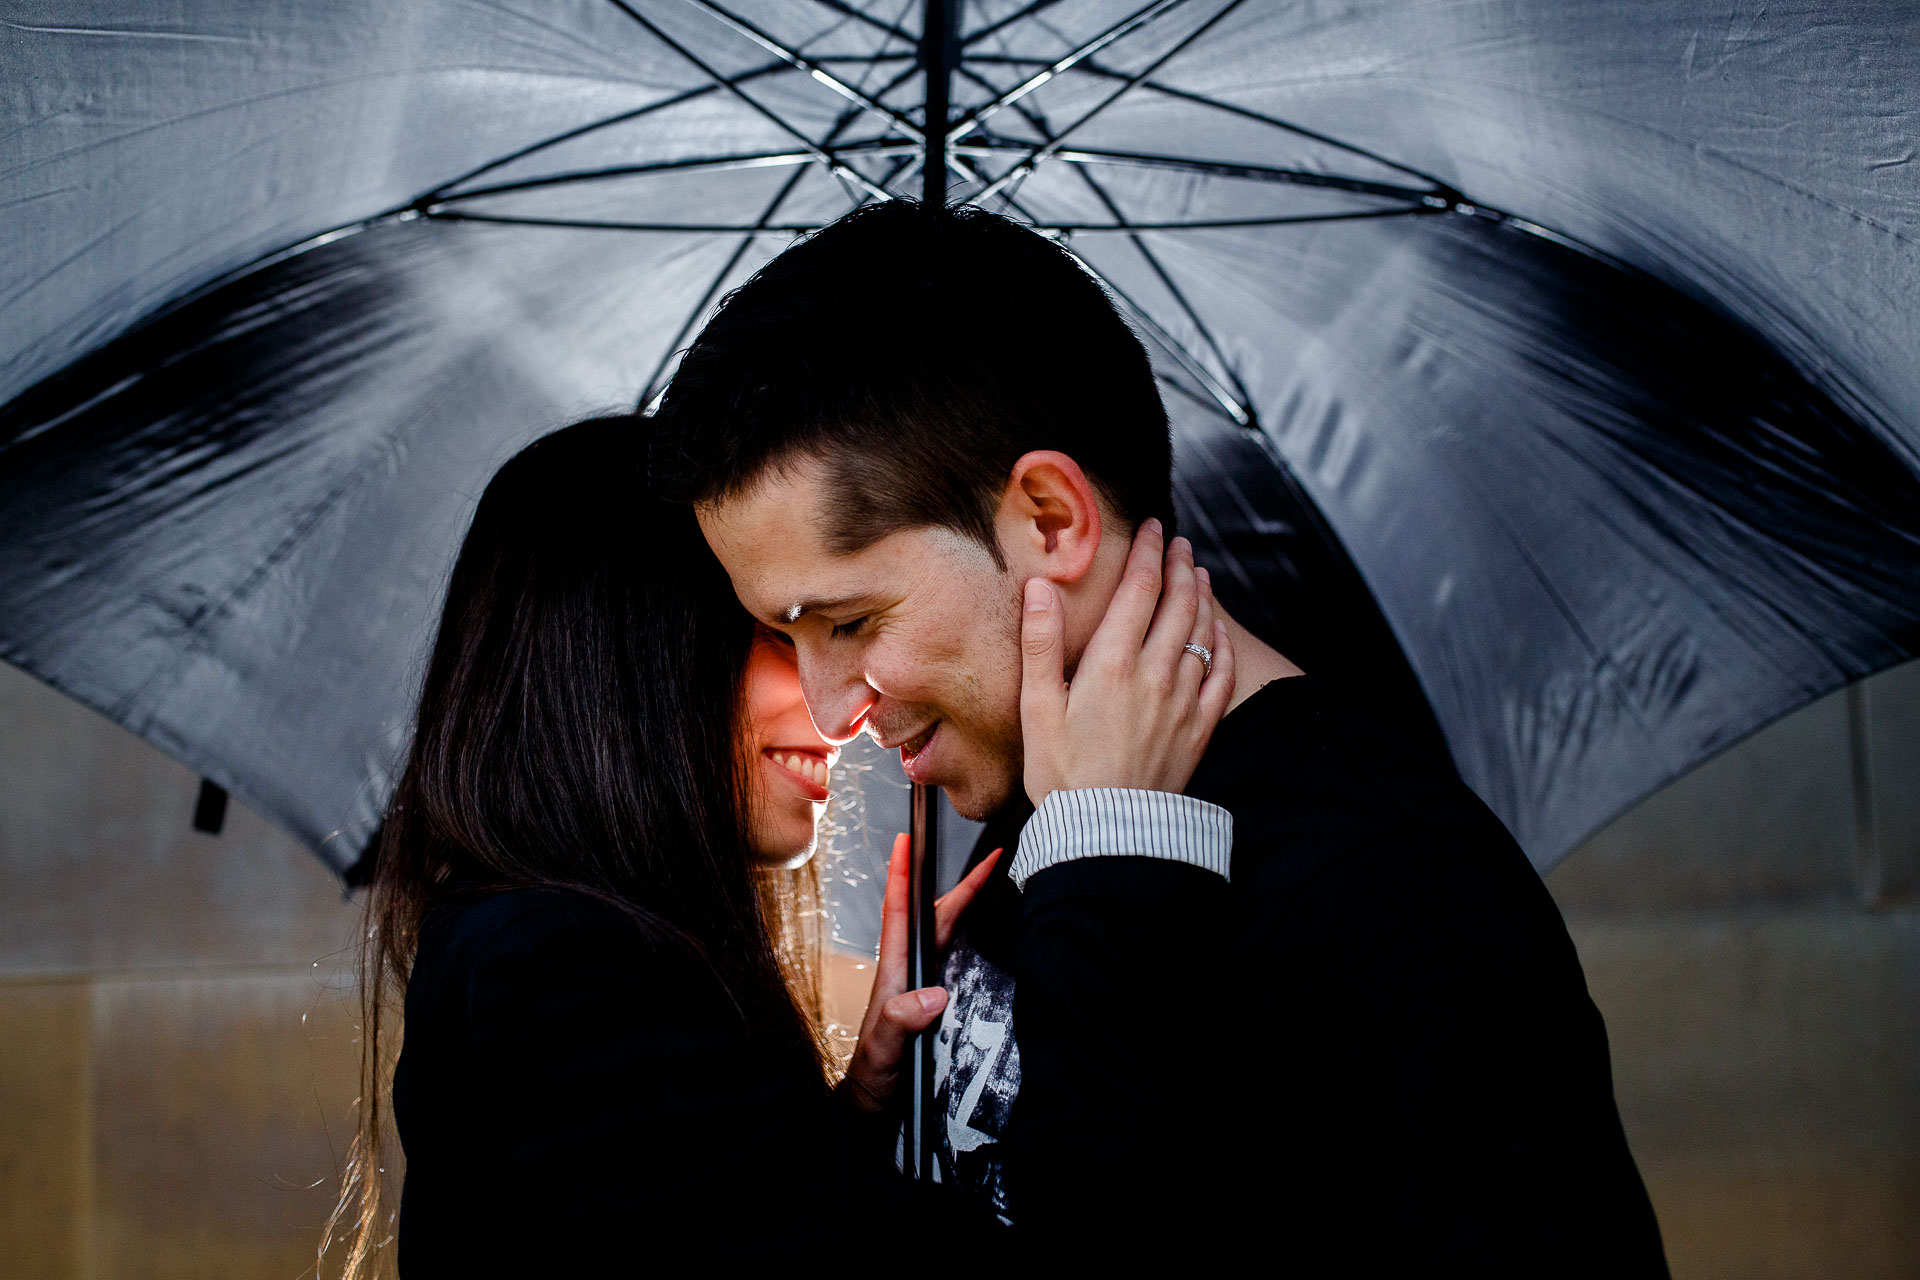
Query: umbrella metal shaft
939,38
939,35
923,971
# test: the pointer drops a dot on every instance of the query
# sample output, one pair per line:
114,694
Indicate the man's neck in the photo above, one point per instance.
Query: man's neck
1255,662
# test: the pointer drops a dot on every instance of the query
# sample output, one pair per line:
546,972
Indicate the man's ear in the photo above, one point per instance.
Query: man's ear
1049,517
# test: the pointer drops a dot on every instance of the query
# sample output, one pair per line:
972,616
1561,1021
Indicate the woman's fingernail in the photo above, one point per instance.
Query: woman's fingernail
1039,595
933,999
1200,572
1152,525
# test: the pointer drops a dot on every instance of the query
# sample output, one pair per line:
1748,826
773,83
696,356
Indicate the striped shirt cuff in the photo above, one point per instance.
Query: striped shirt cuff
1097,822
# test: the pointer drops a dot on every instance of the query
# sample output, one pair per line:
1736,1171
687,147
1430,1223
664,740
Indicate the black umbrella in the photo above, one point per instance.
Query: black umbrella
1544,368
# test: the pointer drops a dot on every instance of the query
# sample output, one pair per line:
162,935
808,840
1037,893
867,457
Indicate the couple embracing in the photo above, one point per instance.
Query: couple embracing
1236,976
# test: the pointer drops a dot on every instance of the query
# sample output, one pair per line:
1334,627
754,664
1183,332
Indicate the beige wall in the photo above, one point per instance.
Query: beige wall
1753,936
177,1056
177,1060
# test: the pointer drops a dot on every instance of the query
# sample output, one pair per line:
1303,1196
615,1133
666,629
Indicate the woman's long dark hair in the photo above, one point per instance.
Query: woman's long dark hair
580,727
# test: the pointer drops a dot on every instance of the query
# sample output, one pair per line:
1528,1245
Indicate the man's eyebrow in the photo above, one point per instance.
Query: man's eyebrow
795,611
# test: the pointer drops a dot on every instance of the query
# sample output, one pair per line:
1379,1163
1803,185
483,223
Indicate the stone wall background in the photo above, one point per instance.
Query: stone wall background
177,1053
1752,935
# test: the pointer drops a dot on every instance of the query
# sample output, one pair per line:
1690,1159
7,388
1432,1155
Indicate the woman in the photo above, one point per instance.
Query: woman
594,890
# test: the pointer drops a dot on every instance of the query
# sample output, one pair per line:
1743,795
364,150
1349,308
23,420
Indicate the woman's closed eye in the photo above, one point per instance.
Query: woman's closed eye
847,630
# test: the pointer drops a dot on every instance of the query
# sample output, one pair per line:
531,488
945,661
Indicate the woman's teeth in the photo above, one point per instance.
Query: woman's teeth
814,770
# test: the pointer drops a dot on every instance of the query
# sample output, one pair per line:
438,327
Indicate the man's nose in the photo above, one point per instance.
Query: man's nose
838,699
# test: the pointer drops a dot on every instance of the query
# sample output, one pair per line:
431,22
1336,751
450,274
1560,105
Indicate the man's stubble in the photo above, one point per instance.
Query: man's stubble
992,705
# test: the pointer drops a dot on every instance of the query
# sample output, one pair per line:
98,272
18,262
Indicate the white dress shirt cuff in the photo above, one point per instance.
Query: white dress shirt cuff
1097,822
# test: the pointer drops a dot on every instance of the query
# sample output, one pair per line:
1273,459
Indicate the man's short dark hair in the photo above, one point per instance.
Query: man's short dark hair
917,354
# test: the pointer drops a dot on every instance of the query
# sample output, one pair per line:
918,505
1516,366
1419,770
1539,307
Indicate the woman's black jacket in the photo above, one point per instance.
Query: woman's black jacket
575,1097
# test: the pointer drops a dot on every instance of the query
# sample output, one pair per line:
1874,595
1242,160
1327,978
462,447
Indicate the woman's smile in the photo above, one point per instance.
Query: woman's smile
808,769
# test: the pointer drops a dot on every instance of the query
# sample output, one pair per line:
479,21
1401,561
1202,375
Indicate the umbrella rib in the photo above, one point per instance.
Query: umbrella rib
903,169
763,224
907,161
1026,11
580,131
917,154
1240,394
1435,197
1240,413
746,160
1229,224
906,74
1032,118
1126,26
840,171
599,224
654,385
813,69
1039,125
1053,144
1244,416
860,15
1208,402
1443,197
1095,68
1179,296
1248,113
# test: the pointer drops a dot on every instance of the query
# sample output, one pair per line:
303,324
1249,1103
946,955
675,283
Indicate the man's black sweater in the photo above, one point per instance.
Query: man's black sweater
1372,1052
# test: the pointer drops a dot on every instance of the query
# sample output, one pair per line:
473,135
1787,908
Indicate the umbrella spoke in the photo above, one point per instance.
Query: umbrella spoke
1093,67
1237,403
1228,403
861,15
746,160
601,224
840,171
569,135
902,173
751,160
1126,26
906,164
1250,172
813,69
1034,121
1247,113
445,214
1240,393
656,381
1053,144
1027,11
861,59
1179,296
1229,224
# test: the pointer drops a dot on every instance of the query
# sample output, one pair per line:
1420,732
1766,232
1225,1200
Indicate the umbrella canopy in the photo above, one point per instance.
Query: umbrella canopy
1544,368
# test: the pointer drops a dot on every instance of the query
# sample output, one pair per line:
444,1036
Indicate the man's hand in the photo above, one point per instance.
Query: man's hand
894,1014
1142,706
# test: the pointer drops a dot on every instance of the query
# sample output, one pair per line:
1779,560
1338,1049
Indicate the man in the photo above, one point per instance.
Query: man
1368,1045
